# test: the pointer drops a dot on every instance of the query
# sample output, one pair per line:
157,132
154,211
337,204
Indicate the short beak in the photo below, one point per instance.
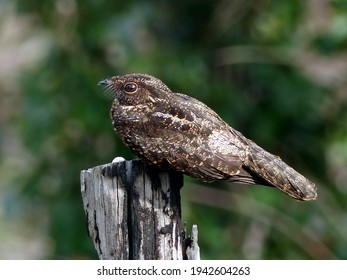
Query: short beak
105,82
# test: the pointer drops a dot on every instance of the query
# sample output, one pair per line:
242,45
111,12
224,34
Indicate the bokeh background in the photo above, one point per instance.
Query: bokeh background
274,70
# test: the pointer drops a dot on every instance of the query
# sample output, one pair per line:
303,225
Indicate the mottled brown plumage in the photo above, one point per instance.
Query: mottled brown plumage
173,130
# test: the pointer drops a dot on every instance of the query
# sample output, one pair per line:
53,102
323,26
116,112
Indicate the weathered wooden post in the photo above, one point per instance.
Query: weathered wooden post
133,211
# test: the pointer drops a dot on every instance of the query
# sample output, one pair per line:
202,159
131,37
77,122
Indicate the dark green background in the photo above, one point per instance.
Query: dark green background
274,70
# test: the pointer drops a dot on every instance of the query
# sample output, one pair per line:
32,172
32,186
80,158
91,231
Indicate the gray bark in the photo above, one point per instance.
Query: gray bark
193,250
133,211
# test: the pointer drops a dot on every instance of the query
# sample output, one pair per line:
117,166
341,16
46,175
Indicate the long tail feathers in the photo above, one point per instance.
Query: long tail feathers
278,174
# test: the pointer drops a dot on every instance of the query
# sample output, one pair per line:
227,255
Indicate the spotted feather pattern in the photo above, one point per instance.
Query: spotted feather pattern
173,130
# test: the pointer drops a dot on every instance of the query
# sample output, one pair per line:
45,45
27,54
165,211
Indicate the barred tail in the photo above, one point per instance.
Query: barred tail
278,174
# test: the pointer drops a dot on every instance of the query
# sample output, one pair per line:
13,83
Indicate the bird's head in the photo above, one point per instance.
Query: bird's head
135,89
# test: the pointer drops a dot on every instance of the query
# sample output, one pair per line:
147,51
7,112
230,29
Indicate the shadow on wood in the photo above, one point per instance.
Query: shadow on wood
133,211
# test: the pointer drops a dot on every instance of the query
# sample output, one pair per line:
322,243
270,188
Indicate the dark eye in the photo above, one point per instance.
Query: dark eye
130,87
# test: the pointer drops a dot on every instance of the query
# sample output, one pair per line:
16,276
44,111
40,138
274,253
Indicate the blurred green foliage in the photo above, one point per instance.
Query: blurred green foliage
274,70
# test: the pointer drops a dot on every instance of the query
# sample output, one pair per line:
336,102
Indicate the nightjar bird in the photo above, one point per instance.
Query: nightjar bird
173,130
